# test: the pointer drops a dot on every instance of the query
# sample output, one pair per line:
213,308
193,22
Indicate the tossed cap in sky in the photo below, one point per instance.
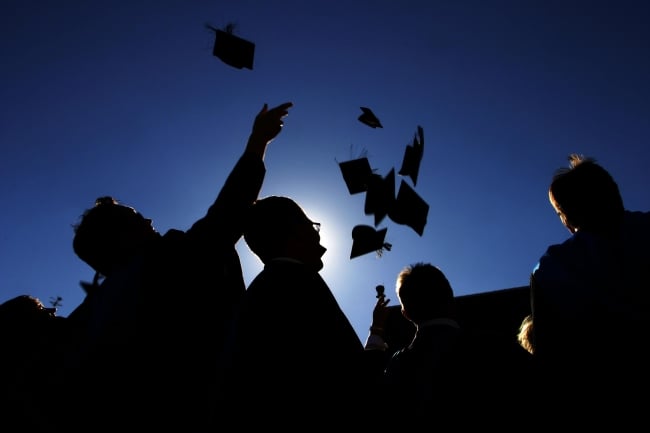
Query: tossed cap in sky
413,157
409,209
380,196
356,174
231,49
365,239
369,118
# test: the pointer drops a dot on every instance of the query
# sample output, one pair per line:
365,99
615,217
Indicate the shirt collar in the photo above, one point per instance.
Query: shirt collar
439,321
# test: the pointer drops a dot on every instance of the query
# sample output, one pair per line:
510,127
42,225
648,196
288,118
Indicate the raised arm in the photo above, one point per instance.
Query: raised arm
268,124
222,223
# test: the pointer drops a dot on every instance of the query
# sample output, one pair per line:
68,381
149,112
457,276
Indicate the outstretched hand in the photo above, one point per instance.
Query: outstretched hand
380,312
268,124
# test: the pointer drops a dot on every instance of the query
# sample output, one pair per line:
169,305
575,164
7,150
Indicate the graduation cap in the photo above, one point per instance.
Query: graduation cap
380,195
369,118
365,239
231,49
356,174
409,209
413,157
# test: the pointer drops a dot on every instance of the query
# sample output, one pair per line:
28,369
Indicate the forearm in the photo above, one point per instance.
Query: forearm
225,216
256,145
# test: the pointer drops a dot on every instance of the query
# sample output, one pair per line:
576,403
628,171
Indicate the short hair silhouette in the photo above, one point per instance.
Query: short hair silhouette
270,221
23,310
424,292
99,238
586,196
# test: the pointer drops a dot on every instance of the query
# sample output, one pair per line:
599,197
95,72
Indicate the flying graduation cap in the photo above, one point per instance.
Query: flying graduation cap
231,49
413,157
365,239
356,174
369,118
380,196
409,209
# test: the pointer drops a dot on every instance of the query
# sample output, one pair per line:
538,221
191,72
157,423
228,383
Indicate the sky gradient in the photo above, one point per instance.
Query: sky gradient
125,98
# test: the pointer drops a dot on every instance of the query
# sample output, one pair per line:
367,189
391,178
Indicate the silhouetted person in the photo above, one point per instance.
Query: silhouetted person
590,295
298,358
157,323
447,372
526,335
34,344
389,332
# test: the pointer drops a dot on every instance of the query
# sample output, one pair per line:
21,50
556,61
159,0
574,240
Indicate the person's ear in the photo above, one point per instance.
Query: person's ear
406,316
566,222
571,227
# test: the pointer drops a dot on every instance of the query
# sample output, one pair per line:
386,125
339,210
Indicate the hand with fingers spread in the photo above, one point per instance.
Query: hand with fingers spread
268,124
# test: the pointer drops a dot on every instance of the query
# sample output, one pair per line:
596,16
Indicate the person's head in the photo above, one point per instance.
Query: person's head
24,322
24,310
34,342
109,234
424,293
586,197
278,227
525,334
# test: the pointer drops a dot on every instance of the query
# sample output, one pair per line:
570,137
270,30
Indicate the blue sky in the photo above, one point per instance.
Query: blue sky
124,98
